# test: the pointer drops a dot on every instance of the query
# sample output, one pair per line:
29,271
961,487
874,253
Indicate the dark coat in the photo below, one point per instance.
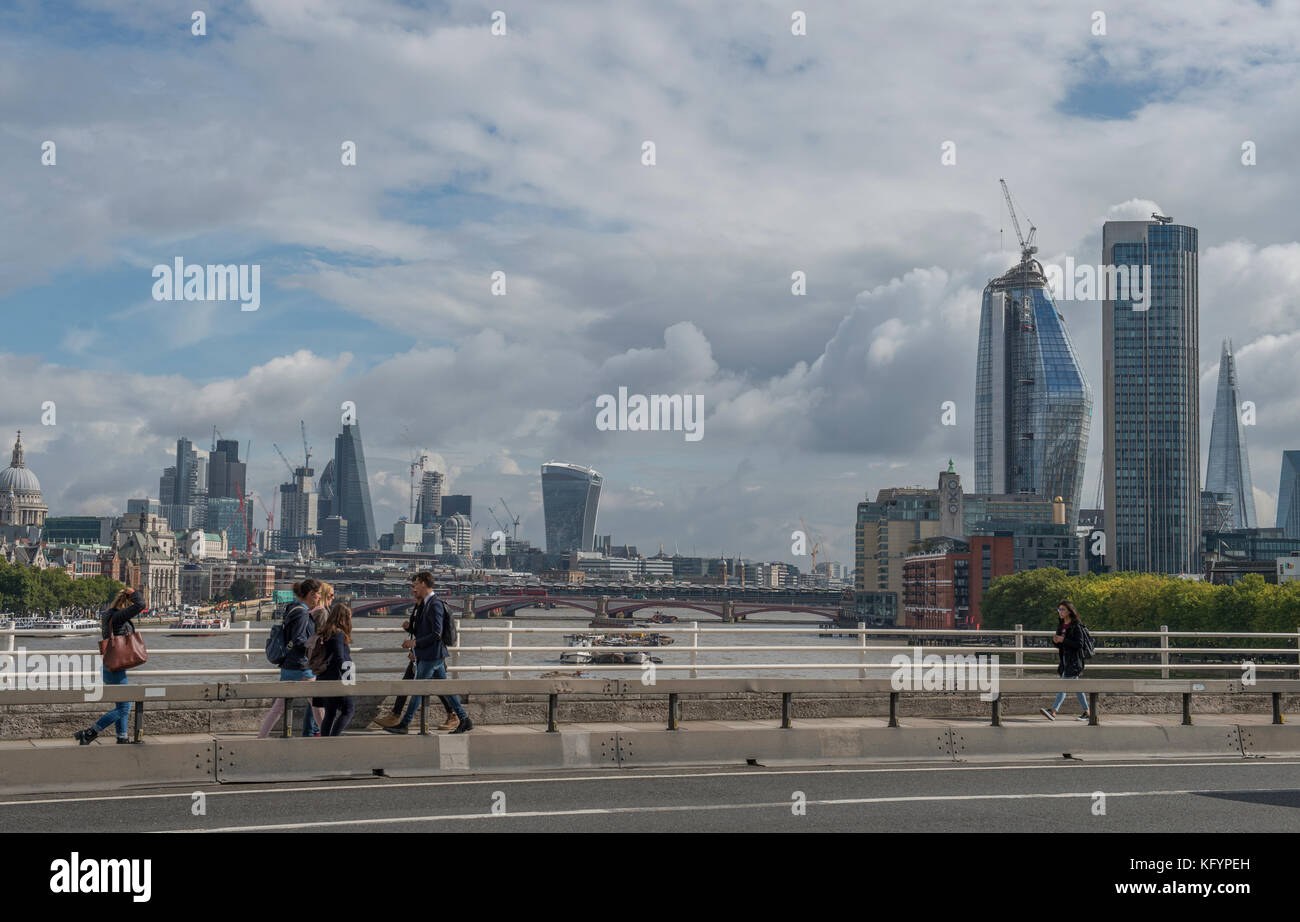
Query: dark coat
426,628
117,621
1070,650
299,628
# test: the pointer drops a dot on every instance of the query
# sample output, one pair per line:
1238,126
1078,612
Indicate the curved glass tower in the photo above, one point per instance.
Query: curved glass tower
1033,403
570,500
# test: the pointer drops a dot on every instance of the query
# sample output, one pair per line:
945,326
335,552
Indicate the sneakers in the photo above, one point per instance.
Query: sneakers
388,720
87,736
125,739
464,726
451,723
1048,713
1083,716
398,728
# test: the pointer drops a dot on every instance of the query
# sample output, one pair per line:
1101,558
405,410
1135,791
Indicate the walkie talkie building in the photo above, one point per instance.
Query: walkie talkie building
570,501
1033,403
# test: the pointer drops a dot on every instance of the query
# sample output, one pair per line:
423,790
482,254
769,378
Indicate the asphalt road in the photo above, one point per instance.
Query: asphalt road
1139,796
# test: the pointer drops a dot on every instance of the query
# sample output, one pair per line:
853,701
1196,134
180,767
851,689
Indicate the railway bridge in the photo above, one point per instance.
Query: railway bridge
601,607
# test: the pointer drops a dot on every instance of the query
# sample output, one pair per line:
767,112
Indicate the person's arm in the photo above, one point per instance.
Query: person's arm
303,629
122,615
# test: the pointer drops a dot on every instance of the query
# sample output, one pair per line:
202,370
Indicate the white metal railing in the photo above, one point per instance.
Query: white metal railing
693,656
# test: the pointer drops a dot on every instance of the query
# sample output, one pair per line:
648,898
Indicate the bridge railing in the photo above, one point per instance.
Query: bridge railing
720,649
672,689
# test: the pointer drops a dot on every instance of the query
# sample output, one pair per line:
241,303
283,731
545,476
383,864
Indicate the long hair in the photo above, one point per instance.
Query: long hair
123,599
339,619
326,594
1070,613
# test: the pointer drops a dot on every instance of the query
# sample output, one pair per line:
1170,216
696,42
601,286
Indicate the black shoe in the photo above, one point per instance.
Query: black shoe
126,739
465,726
86,737
398,728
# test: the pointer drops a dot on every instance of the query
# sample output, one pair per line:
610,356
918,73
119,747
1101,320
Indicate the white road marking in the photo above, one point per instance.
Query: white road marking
687,808
630,775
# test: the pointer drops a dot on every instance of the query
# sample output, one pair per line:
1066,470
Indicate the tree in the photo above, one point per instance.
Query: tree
241,590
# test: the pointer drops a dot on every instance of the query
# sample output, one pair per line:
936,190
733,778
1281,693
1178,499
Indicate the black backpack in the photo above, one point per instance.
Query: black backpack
1089,646
277,644
449,635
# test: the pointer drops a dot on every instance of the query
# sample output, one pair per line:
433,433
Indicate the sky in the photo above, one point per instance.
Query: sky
522,153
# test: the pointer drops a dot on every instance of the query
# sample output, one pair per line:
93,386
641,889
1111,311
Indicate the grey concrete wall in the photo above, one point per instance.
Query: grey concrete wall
54,721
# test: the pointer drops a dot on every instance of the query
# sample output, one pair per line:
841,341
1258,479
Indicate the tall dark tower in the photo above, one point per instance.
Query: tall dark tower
352,489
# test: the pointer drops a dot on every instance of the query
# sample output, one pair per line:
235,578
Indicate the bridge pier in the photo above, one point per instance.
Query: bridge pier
729,611
468,610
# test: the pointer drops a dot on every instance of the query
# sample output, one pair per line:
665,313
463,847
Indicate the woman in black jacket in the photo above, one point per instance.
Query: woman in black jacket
334,639
299,628
115,620
1069,648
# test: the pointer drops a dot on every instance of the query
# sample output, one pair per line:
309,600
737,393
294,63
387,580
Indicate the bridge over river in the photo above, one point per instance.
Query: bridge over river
606,608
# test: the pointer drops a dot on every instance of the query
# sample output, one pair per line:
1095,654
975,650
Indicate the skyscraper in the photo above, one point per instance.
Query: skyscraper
325,496
187,473
570,501
227,475
352,489
1228,470
428,506
1033,403
1152,405
1288,495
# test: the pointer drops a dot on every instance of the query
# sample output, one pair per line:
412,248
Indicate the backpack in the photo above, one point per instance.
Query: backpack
1089,645
317,655
449,634
277,645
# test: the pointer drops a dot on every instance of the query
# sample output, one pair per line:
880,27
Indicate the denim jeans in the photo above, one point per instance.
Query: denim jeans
432,669
1060,699
122,712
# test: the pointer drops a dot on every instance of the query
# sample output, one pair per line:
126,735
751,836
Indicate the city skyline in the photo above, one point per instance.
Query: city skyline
376,283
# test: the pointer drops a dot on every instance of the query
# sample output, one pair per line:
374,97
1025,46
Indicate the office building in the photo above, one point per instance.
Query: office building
570,502
1150,365
458,504
1288,495
352,489
887,530
1033,403
78,529
333,535
1216,511
1228,470
428,504
298,514
325,494
457,535
224,518
227,475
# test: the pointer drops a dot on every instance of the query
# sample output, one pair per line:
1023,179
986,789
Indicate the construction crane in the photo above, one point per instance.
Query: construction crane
244,524
496,518
306,452
216,434
416,465
511,516
284,459
816,543
1027,248
270,513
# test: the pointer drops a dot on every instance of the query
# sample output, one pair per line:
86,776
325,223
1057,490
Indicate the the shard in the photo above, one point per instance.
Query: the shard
1229,467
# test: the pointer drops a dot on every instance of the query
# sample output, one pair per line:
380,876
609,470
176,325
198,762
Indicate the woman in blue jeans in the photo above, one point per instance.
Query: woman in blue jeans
1069,647
299,628
116,620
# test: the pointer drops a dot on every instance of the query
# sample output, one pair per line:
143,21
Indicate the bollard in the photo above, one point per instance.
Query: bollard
997,712
552,711
672,711
424,716
1277,708
893,709
1092,708
139,711
785,710
1187,709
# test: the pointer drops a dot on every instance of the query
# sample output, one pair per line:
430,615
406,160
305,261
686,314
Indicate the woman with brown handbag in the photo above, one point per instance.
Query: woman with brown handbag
115,621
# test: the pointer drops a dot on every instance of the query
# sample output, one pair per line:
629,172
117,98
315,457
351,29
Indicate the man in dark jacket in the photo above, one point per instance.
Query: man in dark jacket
430,653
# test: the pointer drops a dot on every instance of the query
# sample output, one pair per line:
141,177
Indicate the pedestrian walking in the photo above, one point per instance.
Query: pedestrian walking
115,621
425,642
299,627
335,637
1069,640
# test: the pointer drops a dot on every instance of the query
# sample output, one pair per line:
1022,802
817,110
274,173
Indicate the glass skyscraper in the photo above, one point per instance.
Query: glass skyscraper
1228,470
1152,403
352,489
570,501
1288,495
1033,403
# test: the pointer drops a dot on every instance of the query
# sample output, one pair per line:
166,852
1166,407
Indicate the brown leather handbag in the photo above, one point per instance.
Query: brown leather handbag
123,651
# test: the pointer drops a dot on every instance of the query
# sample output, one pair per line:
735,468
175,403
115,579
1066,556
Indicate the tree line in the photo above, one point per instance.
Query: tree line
29,590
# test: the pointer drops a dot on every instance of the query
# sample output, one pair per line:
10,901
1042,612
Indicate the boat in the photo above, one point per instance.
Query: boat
194,626
66,627
660,618
627,658
575,657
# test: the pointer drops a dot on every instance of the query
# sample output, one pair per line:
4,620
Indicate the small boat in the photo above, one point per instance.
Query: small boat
628,658
575,657
660,618
194,626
